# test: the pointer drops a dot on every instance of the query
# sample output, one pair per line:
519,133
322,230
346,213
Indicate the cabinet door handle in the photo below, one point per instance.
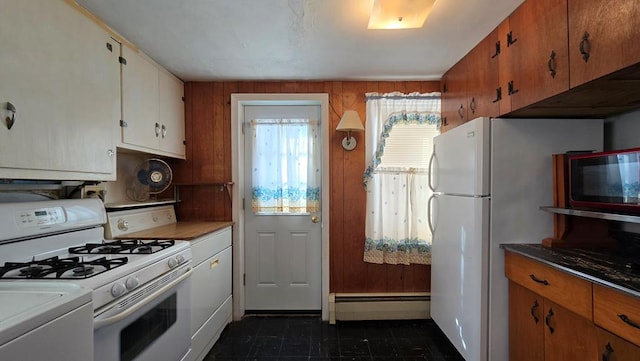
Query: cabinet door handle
510,88
534,311
628,321
585,47
164,131
536,279
510,39
608,350
551,64
498,95
547,320
157,130
213,264
10,120
461,112
497,50
472,105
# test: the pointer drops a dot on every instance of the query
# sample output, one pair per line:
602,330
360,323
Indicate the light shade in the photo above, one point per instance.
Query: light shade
399,14
350,121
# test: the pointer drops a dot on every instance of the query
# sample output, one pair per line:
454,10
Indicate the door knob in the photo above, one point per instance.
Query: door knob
315,219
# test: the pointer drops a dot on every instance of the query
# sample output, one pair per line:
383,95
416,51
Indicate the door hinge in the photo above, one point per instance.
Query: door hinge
122,60
243,124
243,204
244,279
123,124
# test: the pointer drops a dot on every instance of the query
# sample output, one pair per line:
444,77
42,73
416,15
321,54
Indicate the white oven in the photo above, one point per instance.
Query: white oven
140,289
149,325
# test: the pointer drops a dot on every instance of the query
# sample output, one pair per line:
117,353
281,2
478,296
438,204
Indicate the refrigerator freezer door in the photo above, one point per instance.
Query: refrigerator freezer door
461,162
459,272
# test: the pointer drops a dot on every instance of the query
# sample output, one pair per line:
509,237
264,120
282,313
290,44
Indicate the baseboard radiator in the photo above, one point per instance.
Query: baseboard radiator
378,306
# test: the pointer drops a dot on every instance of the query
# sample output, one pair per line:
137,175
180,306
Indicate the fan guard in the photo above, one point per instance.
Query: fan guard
152,176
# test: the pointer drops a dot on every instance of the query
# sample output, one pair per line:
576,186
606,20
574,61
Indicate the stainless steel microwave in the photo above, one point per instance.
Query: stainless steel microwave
605,180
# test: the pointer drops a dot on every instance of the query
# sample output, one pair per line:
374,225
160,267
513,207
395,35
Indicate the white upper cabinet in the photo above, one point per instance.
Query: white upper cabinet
152,107
60,72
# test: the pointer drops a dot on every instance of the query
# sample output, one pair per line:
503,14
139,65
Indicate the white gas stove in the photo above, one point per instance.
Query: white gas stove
133,282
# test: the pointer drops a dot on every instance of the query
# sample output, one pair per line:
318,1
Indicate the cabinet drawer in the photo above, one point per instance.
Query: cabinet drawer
568,291
610,307
210,244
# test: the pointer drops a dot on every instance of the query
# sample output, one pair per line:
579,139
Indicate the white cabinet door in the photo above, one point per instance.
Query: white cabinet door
152,107
171,114
58,71
140,101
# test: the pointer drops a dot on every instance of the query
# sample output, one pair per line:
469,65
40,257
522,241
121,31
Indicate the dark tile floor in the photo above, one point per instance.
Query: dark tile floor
308,338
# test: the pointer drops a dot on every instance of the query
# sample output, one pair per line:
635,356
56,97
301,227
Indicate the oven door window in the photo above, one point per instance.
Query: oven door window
142,332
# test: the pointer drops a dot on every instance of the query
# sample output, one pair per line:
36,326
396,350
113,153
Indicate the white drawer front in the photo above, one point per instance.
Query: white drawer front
211,285
210,244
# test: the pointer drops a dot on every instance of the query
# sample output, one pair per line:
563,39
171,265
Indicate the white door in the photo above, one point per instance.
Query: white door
283,240
459,282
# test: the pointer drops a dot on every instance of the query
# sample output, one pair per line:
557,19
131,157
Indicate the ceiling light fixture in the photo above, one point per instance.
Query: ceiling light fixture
399,14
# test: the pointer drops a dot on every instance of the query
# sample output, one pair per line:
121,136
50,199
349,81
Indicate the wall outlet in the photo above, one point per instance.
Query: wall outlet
97,191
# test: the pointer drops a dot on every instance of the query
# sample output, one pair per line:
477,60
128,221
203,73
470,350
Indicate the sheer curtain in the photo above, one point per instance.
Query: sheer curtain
286,166
397,230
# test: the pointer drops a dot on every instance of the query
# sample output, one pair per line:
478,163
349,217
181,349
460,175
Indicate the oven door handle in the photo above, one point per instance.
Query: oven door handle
120,316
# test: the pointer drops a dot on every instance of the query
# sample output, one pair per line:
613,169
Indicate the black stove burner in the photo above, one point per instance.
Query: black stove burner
123,246
60,268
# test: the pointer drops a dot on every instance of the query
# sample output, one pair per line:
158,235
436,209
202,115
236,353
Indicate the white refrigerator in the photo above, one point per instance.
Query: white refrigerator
490,176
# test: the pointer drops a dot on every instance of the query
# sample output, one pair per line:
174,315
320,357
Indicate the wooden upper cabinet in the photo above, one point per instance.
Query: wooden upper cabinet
454,95
603,37
537,64
483,81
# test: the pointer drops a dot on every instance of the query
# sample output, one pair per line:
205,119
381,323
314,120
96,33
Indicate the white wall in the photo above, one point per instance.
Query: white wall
622,131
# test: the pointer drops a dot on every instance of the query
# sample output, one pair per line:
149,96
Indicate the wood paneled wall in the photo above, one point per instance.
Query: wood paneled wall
208,134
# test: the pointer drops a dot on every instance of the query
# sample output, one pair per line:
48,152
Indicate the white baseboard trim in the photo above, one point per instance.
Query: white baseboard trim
378,306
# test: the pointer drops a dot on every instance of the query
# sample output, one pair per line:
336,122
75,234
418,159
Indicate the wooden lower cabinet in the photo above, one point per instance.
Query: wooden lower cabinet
614,348
526,337
567,336
542,330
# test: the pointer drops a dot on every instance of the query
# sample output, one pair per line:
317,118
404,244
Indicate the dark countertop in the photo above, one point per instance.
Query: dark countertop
619,269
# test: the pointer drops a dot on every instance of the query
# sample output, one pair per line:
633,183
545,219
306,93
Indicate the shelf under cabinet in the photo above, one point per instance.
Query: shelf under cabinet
610,216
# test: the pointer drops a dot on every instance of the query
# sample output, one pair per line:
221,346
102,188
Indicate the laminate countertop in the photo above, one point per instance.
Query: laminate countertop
619,270
181,231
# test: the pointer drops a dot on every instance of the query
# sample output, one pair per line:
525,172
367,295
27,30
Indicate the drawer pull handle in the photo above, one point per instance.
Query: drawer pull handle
214,263
608,350
536,279
534,311
547,320
628,321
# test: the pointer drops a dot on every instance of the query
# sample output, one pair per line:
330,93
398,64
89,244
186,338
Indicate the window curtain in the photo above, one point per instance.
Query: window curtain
286,166
397,230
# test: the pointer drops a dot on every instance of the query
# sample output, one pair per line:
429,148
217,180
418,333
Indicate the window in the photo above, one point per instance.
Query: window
399,132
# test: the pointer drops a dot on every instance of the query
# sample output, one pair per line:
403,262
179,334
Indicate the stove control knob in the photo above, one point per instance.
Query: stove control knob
118,290
172,262
123,225
132,282
180,258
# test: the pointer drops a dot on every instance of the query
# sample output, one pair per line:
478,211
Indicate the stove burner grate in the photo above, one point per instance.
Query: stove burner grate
59,268
122,246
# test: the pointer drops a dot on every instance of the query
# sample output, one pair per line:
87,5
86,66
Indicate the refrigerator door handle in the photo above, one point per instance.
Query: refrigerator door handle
430,173
433,196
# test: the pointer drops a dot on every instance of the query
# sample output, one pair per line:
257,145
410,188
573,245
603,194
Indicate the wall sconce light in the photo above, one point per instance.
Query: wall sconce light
399,14
350,122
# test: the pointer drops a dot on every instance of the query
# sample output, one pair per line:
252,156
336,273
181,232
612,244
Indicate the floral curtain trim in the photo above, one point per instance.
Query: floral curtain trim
397,118
391,251
285,200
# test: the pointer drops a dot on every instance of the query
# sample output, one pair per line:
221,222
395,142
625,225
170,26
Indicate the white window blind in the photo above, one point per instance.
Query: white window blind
408,146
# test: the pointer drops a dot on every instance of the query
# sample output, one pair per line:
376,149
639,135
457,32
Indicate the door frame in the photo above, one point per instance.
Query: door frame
238,102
